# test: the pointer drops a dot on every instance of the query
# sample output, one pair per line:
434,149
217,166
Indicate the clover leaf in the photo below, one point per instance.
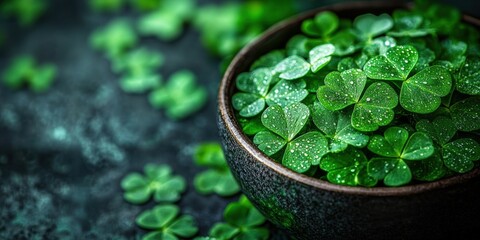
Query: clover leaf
422,92
268,60
251,126
26,11
138,62
166,224
429,169
243,221
320,56
394,148
468,80
24,71
157,181
379,46
140,83
218,179
466,115
107,5
342,89
452,54
115,38
396,64
256,94
409,24
284,124
293,67
369,25
347,168
322,25
181,96
336,126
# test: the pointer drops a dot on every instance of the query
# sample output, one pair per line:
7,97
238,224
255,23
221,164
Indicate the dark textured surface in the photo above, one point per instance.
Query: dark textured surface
308,212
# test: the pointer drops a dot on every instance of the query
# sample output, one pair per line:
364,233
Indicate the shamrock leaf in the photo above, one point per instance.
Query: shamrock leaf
107,5
157,181
24,71
375,108
347,168
140,83
251,126
320,56
395,147
138,62
243,221
342,89
323,25
379,46
268,60
466,115
284,125
441,129
468,80
369,25
429,169
218,179
255,87
115,38
181,96
336,126
452,54
409,24
396,64
293,67
26,11
165,223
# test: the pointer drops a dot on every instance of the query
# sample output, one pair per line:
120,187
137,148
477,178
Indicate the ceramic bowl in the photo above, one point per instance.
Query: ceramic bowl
309,208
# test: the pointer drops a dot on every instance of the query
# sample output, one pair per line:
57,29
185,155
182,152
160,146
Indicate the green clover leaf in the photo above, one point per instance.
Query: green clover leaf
115,38
409,24
466,115
251,126
165,223
284,125
320,56
24,71
395,147
396,64
379,46
375,109
243,221
268,60
293,67
322,25
138,62
140,83
256,94
368,26
347,168
425,58
422,92
157,181
468,80
26,11
429,169
441,129
452,54
218,179
181,96
460,154
336,126
107,5
342,89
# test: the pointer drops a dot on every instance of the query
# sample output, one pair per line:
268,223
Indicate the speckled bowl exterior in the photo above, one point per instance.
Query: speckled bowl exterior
309,208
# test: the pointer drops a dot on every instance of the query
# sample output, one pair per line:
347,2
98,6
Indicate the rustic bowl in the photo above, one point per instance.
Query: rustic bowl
309,208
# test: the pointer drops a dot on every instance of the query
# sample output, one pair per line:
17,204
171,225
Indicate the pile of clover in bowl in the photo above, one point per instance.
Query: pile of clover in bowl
371,101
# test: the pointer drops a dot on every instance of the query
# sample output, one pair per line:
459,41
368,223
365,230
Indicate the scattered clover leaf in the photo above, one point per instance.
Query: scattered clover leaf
421,93
157,181
24,71
468,80
396,64
336,126
218,179
180,96
138,62
242,221
394,148
140,83
348,167
322,25
342,89
320,56
107,5
284,124
165,223
293,67
458,155
26,11
368,26
466,114
115,38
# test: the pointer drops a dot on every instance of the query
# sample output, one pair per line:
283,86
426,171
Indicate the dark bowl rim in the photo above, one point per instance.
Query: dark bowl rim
227,115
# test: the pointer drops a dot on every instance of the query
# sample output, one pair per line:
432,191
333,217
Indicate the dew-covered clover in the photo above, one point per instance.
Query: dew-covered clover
157,181
165,223
242,221
369,101
24,71
218,179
